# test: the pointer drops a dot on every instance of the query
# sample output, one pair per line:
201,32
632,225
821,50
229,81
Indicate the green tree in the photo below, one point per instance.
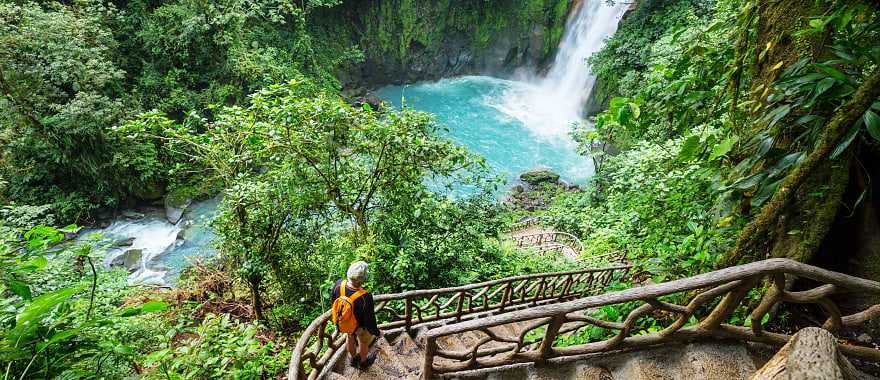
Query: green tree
60,90
297,161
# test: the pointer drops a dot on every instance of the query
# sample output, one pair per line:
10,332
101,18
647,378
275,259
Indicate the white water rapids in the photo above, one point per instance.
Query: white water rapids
549,105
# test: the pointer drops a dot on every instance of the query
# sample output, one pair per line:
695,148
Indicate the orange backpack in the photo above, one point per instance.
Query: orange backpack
343,310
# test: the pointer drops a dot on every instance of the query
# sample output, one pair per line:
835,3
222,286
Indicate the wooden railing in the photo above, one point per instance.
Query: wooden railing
722,292
319,346
548,241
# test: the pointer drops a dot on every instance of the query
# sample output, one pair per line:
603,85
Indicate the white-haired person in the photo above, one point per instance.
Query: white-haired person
354,314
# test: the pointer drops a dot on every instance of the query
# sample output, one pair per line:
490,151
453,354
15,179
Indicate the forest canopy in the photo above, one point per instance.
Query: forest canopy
722,132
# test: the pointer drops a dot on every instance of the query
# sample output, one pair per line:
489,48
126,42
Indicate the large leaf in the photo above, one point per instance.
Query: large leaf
29,319
153,306
777,114
764,193
824,85
689,148
750,181
785,163
20,288
723,148
832,72
872,123
847,139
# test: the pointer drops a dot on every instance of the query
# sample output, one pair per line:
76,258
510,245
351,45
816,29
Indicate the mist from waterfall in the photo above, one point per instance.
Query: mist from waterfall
549,105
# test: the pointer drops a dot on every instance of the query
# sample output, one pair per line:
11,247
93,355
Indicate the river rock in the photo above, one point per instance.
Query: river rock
133,215
185,231
131,260
369,99
127,242
539,176
173,212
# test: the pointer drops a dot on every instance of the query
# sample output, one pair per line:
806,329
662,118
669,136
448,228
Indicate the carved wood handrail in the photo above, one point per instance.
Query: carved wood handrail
319,345
549,240
729,287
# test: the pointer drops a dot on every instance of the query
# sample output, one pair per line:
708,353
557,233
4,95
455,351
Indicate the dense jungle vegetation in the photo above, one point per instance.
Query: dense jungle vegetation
732,131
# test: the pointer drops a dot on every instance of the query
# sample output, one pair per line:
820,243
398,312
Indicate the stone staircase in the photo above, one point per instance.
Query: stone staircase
536,327
400,357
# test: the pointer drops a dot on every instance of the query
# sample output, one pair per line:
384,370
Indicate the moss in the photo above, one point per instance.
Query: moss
397,28
196,189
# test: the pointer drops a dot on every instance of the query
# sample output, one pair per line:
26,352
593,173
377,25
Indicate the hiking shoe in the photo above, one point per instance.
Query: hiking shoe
371,358
355,361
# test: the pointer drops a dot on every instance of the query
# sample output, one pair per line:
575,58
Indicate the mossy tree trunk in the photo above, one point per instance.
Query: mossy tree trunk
785,228
794,223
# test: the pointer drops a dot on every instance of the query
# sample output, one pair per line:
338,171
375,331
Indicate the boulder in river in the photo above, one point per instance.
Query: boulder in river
127,242
539,176
174,210
185,230
131,260
133,215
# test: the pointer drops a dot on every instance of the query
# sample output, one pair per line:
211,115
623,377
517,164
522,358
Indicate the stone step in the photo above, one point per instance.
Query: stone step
387,365
408,353
710,361
572,371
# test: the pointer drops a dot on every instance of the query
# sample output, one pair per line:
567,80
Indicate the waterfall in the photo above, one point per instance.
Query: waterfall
548,106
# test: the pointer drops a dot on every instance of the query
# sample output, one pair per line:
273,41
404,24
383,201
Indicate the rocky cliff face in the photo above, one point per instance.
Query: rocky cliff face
406,41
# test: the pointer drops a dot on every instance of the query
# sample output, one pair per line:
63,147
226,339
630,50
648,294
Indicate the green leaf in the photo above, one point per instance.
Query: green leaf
832,72
765,192
153,306
778,113
70,228
20,288
872,123
689,148
824,85
785,163
750,181
847,139
39,262
29,319
723,148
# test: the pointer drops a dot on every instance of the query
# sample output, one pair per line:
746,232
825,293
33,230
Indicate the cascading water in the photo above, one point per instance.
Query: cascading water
517,125
155,251
549,105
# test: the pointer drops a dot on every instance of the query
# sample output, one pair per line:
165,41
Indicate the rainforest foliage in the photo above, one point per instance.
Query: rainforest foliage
734,130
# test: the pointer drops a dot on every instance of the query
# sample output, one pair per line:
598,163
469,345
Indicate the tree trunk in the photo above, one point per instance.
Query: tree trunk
361,230
763,234
256,297
810,354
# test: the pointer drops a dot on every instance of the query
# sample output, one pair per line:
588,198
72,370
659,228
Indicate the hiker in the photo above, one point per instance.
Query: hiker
353,314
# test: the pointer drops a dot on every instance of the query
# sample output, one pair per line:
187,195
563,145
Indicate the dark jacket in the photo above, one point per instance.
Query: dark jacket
363,307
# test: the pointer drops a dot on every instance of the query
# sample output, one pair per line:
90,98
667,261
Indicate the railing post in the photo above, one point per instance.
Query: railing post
546,348
505,299
460,306
428,362
301,373
407,314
